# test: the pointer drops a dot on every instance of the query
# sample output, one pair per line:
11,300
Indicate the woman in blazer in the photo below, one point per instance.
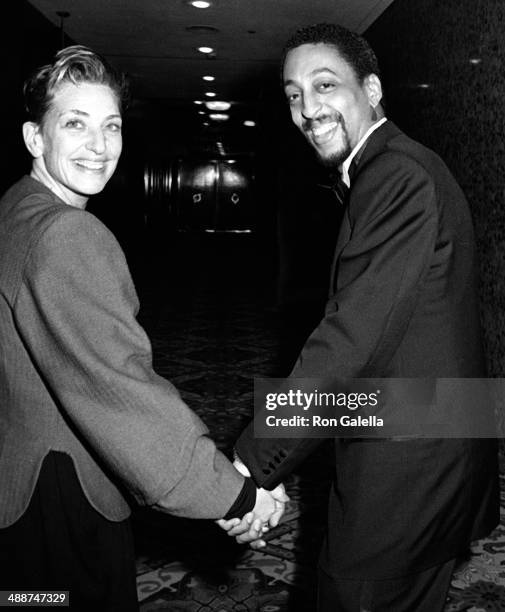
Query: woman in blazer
83,416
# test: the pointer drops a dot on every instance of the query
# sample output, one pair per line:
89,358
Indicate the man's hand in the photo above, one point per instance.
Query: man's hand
279,495
267,512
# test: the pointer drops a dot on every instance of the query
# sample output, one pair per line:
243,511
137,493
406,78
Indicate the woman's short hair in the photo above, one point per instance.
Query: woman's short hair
352,47
75,64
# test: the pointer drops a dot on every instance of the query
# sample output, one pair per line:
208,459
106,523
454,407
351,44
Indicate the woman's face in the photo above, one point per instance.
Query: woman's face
78,144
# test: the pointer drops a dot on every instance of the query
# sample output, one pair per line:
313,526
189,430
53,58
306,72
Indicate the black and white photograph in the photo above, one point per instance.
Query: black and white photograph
252,306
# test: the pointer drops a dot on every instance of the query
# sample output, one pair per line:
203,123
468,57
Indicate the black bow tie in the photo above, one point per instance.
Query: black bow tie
340,189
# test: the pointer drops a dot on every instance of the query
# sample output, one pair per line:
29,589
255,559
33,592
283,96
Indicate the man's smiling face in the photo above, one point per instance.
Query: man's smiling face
327,102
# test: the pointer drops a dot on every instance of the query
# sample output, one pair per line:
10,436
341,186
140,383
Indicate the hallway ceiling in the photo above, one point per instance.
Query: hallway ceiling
156,41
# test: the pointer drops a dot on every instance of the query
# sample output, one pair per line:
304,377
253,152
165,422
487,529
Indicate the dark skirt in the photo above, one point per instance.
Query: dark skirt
62,543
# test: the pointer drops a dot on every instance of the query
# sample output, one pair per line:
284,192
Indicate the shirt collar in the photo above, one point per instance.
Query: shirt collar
346,164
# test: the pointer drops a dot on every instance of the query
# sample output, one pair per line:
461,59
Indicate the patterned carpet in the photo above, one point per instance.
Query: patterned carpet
213,329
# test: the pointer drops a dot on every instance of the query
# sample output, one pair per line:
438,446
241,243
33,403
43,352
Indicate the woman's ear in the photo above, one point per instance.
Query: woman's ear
33,138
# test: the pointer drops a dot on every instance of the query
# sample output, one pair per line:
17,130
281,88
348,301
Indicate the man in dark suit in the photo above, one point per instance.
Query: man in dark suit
402,305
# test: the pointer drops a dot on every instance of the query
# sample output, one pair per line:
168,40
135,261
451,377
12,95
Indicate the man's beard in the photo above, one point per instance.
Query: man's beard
335,159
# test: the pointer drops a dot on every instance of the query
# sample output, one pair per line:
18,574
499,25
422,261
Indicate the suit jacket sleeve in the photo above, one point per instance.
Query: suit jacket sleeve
380,269
76,312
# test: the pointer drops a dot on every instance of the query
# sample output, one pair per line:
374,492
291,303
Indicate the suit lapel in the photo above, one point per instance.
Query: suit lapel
344,235
372,147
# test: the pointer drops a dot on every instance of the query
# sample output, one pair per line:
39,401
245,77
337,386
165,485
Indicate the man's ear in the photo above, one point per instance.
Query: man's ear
373,89
33,138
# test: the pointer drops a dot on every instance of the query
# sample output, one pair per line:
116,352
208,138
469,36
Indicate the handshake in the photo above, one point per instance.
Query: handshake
267,512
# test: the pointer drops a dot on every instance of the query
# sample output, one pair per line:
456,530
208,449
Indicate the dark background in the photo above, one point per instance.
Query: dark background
433,91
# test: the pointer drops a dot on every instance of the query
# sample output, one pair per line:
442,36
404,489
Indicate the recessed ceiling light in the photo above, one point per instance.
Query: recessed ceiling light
201,112
217,105
424,86
202,4
219,116
249,123
475,60
210,94
206,49
198,102
206,123
208,77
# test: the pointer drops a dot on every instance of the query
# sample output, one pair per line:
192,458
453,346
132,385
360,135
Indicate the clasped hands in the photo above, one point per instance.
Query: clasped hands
267,512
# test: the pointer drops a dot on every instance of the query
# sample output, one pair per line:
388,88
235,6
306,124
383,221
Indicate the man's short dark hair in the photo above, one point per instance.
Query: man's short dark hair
352,47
